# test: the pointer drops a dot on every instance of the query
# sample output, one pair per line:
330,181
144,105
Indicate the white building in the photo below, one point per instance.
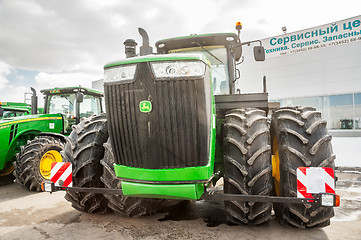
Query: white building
319,67
98,84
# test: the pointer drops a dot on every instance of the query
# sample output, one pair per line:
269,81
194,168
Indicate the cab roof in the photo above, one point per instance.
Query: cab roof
152,58
18,108
84,90
225,39
14,104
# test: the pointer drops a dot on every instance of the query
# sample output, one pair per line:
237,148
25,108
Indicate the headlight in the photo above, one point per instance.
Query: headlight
120,73
177,69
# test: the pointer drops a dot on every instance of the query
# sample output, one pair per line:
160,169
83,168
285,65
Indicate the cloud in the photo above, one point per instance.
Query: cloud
75,38
51,80
8,91
49,36
15,93
58,36
54,36
5,69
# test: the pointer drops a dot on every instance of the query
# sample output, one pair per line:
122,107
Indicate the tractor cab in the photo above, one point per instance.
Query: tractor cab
73,103
222,50
216,47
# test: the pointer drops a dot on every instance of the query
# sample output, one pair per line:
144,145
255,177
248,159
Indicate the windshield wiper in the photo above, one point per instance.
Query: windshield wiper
209,52
66,97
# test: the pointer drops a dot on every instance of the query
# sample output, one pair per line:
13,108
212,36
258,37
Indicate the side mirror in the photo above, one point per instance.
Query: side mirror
79,97
237,50
259,54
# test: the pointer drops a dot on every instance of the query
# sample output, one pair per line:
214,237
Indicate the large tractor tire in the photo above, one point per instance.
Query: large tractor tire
247,163
128,206
6,175
33,162
300,139
84,149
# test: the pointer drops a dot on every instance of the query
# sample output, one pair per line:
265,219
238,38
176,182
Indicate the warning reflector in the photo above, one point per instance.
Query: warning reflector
61,174
315,180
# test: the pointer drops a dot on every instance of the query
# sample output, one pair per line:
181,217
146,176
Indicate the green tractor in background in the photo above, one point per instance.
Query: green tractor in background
175,124
14,109
34,141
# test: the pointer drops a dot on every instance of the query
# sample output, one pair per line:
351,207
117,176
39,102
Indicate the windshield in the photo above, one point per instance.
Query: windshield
64,104
217,56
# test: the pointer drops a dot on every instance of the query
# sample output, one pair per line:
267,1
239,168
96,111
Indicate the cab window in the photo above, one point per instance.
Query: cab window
217,57
63,104
89,106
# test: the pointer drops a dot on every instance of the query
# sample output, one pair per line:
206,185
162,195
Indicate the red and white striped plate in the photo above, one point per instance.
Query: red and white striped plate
61,174
315,180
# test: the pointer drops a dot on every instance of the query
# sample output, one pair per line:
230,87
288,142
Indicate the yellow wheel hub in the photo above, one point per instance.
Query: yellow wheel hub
276,166
7,171
45,162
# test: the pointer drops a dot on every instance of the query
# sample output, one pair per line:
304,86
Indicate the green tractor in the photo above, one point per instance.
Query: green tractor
175,124
33,141
14,109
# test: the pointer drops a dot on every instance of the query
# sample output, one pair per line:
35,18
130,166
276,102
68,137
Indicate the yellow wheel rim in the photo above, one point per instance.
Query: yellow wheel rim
276,166
45,162
7,171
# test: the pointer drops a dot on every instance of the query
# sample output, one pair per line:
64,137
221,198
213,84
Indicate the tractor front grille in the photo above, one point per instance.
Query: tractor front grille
175,134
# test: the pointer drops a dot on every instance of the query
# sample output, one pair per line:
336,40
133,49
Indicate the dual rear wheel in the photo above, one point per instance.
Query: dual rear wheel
297,138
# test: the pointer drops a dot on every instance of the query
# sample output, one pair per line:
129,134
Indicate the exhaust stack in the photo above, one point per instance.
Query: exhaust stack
34,102
145,49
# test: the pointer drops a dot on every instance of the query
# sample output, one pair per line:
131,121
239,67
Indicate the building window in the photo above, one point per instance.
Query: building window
340,111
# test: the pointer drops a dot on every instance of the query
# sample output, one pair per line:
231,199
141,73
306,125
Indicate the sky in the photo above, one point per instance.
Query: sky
48,43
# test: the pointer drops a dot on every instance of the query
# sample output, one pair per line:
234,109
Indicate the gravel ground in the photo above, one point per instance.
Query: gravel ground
27,215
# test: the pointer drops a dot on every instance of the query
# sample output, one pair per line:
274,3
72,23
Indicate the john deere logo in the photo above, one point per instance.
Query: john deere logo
145,106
